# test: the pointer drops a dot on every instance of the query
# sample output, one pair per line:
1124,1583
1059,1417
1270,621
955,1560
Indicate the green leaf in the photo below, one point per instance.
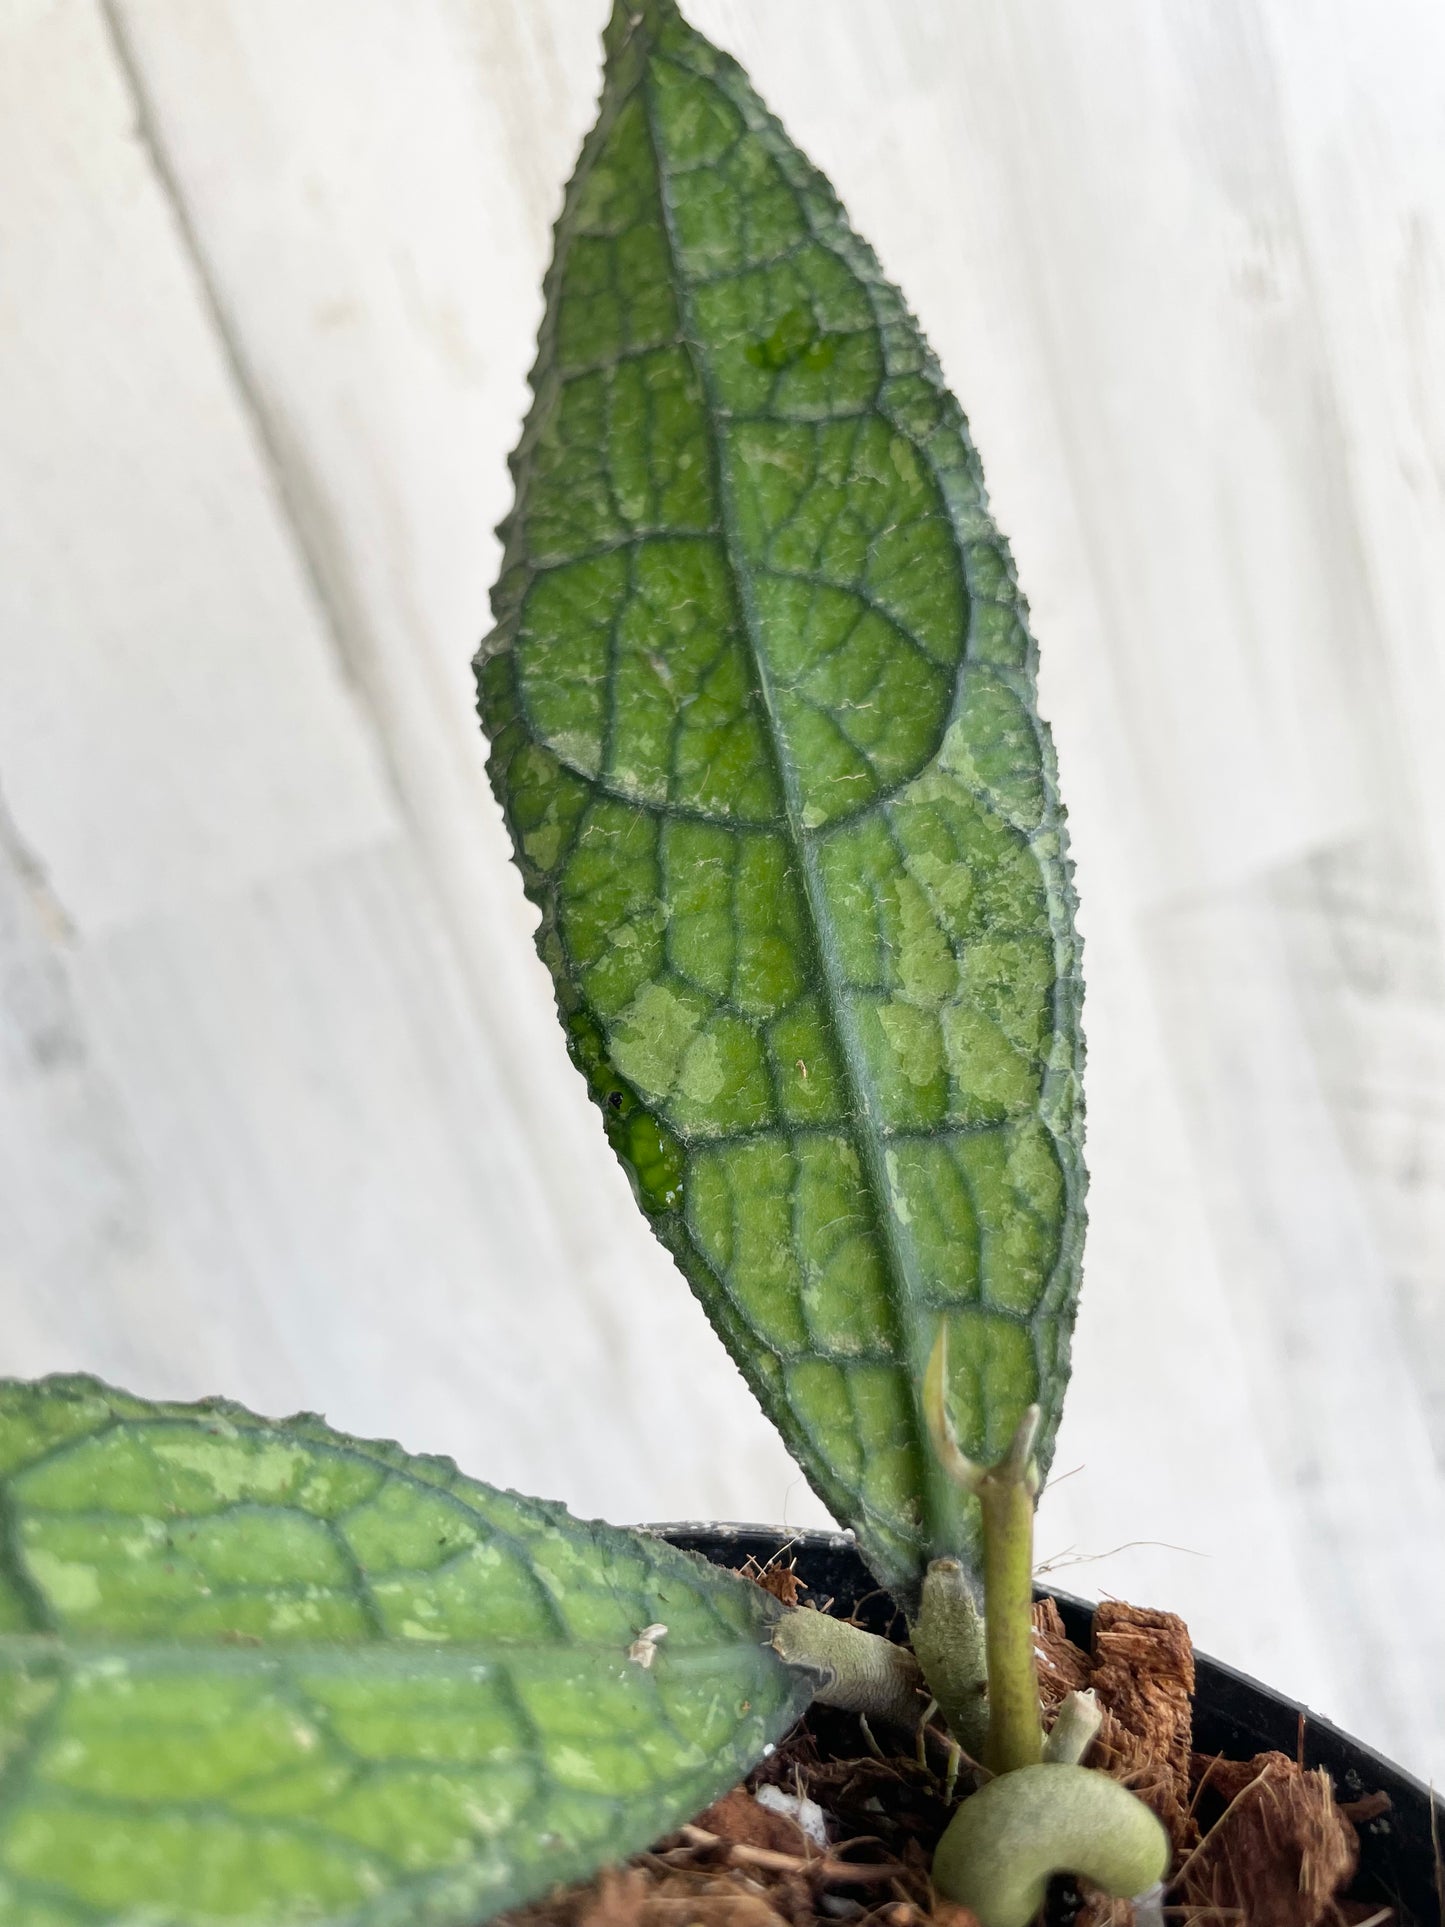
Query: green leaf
257,1673
763,725
762,709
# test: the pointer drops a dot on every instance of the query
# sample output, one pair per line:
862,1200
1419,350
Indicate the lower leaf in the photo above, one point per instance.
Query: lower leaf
256,1672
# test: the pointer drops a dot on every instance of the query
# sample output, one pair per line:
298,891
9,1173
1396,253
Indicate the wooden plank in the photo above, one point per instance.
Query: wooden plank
1358,101
80,1249
1336,1394
1165,1449
174,723
1367,969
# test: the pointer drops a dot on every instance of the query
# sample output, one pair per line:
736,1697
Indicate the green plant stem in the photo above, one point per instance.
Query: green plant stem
1006,1493
852,1668
1015,1732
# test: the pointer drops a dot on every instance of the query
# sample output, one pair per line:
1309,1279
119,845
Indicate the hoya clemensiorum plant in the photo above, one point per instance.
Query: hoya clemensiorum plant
762,714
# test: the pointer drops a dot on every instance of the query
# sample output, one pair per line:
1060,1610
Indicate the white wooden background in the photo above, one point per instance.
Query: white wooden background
285,1111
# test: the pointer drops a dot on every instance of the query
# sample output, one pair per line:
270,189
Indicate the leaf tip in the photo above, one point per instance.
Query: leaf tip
630,15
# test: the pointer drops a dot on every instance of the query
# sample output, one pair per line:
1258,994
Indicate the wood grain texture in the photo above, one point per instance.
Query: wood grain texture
284,1108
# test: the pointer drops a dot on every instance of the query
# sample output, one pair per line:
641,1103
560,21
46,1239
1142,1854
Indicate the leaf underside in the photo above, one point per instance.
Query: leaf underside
261,1673
762,709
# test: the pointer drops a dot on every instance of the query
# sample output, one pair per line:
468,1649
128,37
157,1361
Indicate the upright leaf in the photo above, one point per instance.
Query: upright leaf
762,708
262,1673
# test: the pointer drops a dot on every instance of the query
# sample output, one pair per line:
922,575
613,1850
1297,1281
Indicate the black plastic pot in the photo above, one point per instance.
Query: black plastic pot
1233,1715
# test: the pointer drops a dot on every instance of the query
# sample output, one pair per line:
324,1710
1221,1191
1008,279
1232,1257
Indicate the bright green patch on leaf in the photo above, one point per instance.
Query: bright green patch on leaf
258,1673
762,709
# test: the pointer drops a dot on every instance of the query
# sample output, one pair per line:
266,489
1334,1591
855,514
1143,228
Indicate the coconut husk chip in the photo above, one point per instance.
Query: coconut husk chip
1144,1677
740,1821
1063,1666
1142,1670
1281,1852
780,1579
1279,1855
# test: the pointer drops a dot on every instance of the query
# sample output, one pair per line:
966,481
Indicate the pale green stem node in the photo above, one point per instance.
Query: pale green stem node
1075,1728
949,1641
852,1668
1007,1841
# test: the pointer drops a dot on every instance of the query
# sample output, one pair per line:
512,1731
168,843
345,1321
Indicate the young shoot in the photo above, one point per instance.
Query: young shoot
1006,1493
1039,1815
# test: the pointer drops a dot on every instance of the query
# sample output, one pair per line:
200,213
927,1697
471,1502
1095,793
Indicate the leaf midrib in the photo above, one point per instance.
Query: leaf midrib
913,1343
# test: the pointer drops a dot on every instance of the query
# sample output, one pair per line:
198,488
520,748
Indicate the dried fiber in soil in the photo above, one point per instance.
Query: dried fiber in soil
1280,1852
1142,1670
778,1579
